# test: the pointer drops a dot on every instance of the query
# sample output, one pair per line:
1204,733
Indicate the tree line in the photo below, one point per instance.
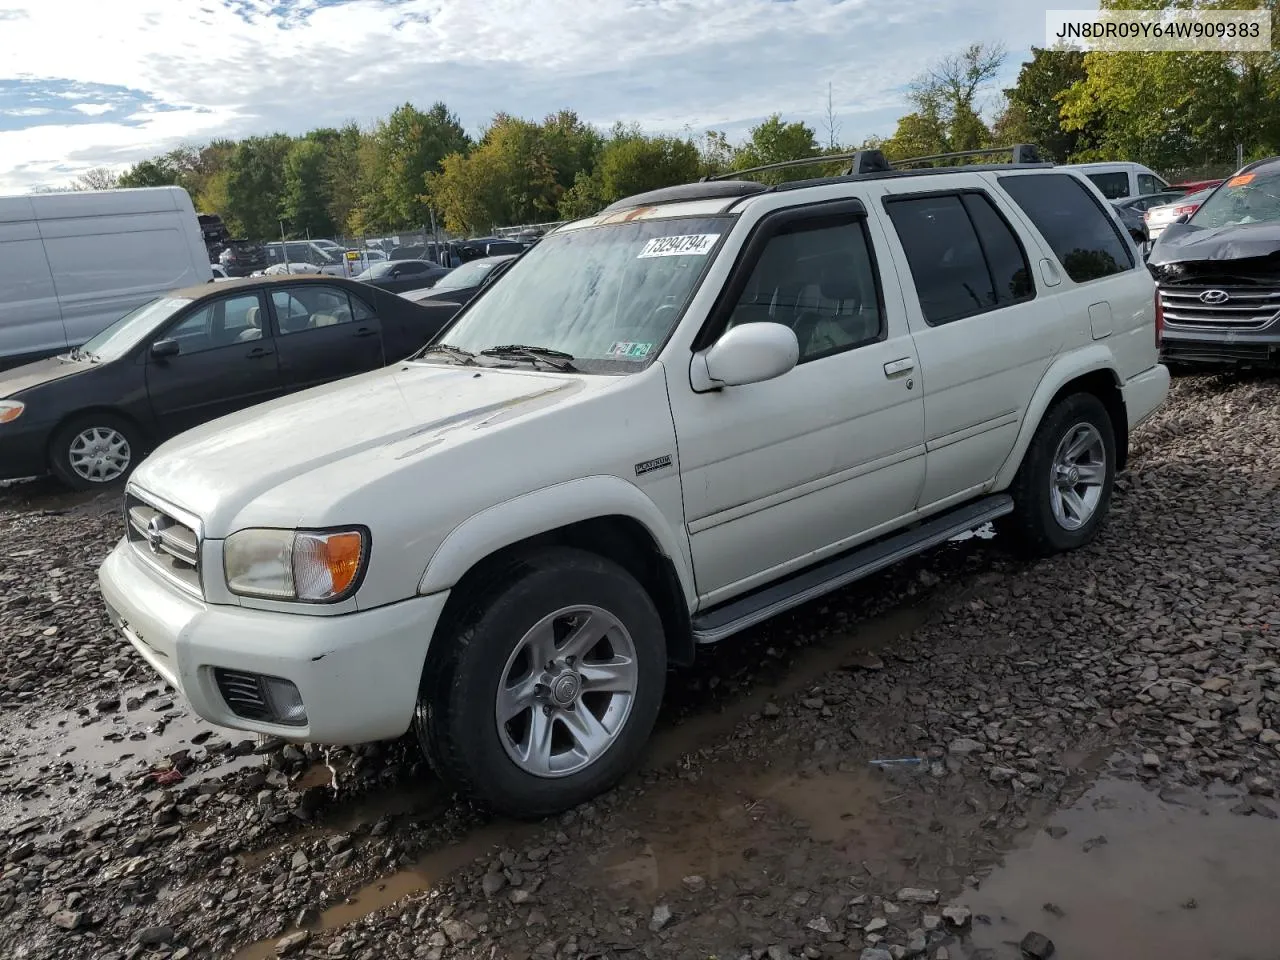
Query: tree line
1173,111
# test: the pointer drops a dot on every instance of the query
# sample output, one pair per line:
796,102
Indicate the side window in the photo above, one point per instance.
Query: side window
1084,238
361,310
219,324
310,307
1114,186
947,264
1149,183
410,267
300,253
1007,261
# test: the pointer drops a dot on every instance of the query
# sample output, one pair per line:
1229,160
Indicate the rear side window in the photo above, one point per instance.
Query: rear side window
1114,186
1082,234
964,258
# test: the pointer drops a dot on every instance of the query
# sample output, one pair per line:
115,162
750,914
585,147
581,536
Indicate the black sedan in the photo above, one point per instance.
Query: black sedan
464,282
400,275
90,415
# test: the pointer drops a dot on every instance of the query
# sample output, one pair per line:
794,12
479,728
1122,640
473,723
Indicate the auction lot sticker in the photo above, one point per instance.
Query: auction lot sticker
686,245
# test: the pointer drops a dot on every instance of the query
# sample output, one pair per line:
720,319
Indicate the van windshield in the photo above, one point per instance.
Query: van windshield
607,295
131,329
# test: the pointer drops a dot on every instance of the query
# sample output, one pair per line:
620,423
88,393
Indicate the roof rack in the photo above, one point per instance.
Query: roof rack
874,161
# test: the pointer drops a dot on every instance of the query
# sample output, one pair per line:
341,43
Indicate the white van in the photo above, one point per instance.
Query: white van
1121,178
71,264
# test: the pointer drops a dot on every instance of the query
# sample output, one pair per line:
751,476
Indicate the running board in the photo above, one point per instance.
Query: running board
743,612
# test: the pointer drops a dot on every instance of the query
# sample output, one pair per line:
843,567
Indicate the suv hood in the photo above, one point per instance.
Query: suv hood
379,418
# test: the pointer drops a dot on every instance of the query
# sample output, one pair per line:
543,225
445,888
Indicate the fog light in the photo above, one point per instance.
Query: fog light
285,702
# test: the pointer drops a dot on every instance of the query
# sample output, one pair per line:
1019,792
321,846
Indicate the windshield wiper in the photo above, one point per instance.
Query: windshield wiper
457,353
519,351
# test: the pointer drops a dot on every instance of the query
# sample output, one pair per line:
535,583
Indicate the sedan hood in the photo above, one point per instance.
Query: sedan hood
379,418
37,374
1182,242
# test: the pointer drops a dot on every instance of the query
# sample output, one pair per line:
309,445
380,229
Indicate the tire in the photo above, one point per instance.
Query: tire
1044,521
491,644
118,440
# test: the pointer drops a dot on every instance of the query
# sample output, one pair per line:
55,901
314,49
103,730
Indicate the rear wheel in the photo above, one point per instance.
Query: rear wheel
547,689
95,451
1062,491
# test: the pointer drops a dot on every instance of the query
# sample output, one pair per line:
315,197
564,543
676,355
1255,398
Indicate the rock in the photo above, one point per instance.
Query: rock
813,703
942,954
964,746
293,942
1249,726
916,895
1269,737
957,916
820,924
154,936
1054,909
107,704
1057,833
1092,842
875,953
770,711
876,925
68,919
1261,787
918,944
1036,946
1151,761
931,922
694,884
864,661
459,932
493,883
1001,774
1215,684
308,917
661,917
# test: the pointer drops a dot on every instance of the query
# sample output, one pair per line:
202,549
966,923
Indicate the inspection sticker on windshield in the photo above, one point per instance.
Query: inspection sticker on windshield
686,245
626,350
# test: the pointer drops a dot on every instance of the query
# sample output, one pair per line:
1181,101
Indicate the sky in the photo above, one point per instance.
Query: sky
90,83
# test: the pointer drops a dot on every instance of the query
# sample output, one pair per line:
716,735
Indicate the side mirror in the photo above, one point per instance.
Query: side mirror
165,348
751,353
1183,218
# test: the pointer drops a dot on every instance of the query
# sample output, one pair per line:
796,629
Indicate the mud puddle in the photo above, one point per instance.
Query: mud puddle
59,763
1180,878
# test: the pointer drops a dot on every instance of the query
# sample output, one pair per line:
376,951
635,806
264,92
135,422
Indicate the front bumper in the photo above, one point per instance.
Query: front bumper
357,673
23,449
1260,348
1144,393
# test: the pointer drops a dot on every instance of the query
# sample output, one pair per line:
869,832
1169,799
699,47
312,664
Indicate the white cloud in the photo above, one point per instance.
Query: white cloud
26,112
668,64
92,109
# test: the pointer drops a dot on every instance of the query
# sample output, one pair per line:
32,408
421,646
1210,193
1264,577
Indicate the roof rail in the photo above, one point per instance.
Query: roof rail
874,161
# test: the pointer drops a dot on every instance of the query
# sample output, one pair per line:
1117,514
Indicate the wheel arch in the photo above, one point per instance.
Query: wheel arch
602,515
1090,371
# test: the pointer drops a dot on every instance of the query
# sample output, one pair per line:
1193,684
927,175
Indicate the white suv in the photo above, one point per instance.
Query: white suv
666,423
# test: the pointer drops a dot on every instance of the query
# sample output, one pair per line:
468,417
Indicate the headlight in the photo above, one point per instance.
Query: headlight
320,566
10,410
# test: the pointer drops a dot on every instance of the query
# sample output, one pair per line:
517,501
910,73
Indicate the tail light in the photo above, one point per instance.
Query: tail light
1187,208
1159,319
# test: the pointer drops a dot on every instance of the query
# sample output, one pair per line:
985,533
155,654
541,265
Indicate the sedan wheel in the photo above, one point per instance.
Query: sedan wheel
100,455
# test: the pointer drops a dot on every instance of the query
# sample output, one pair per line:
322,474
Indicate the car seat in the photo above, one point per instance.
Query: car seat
254,329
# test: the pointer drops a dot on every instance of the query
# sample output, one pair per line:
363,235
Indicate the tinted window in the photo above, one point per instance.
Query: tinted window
412,266
818,279
1113,185
947,265
219,324
1010,270
1149,184
1084,237
310,307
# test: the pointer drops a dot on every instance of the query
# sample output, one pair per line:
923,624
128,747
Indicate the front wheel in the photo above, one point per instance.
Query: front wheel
1062,491
547,688
95,451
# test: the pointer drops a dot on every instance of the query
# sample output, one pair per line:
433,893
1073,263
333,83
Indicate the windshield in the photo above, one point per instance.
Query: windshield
377,270
1247,198
607,295
131,329
467,275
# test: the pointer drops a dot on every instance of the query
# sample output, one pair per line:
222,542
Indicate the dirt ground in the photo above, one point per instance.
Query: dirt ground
964,757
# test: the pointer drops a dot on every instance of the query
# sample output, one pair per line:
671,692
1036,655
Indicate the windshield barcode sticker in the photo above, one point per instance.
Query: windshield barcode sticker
689,245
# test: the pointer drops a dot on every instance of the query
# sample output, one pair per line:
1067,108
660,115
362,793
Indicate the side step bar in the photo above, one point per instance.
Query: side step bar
739,614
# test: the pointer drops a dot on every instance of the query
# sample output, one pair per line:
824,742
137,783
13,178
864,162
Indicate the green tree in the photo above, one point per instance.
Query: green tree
256,184
1034,104
632,162
773,142
570,145
149,173
406,147
342,175
948,117
305,204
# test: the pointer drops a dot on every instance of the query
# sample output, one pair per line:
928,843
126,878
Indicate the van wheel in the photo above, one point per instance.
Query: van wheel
546,690
1062,491
94,451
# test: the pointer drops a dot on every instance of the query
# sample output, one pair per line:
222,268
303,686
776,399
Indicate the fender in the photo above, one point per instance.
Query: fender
542,510
1063,370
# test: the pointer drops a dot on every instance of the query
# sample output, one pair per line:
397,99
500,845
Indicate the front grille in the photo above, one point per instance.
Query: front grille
244,694
1245,307
1208,351
162,540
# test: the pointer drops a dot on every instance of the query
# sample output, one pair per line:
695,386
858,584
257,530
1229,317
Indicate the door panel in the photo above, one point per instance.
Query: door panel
225,364
984,336
778,475
324,334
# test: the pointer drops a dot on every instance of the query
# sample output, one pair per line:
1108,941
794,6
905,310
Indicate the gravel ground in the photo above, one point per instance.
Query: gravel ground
760,826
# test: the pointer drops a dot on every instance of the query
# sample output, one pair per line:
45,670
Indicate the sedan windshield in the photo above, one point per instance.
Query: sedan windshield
607,296
131,329
1247,198
467,275
377,270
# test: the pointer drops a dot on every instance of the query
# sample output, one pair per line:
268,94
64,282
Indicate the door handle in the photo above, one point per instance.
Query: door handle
365,332
895,367
259,352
